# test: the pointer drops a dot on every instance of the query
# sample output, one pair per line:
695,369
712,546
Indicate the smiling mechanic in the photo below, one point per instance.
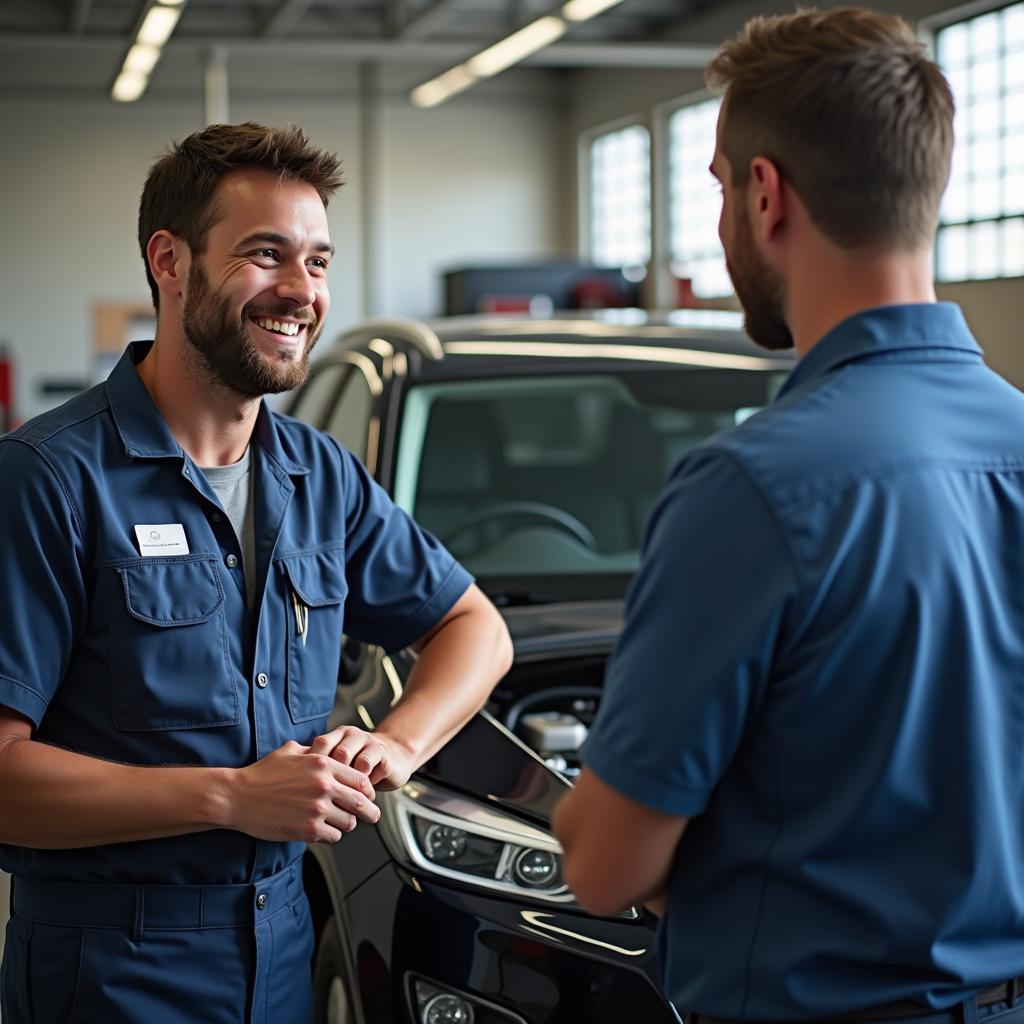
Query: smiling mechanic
179,566
808,756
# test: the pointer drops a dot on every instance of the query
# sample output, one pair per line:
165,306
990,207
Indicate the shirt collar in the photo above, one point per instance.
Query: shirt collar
934,330
145,433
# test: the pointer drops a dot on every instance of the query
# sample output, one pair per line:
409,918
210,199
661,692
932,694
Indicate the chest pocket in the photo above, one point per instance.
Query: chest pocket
169,654
315,590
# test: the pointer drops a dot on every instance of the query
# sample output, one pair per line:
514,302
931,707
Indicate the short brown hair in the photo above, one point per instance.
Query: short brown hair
855,116
178,194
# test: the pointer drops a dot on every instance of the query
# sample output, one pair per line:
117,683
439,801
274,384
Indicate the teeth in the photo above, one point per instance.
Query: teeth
275,325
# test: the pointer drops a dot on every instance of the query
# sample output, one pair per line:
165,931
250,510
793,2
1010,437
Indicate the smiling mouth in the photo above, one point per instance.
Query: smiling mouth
283,328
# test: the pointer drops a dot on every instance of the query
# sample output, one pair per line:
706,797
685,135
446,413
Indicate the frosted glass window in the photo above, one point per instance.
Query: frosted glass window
981,233
620,198
694,200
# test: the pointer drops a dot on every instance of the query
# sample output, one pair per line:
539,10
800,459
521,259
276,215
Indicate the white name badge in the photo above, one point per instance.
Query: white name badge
161,539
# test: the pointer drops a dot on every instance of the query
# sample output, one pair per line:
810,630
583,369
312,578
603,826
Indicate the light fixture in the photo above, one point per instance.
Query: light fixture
514,48
508,51
584,10
158,25
439,89
155,30
142,58
130,85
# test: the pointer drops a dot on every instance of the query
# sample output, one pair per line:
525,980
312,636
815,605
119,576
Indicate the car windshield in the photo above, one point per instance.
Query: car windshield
541,485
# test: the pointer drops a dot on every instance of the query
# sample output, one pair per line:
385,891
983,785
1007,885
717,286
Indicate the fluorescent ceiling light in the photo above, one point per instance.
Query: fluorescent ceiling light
141,58
437,90
515,47
582,10
158,25
130,85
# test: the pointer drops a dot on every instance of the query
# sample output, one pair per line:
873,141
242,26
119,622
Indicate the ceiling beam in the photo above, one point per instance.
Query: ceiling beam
428,20
593,55
79,15
283,20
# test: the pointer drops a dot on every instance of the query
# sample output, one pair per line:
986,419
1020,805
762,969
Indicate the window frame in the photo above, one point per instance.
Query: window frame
584,188
928,31
666,111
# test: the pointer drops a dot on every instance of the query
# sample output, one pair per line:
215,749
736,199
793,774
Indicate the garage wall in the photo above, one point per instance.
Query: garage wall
478,180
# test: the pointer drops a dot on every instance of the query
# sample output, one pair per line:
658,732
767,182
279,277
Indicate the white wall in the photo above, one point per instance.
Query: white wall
473,181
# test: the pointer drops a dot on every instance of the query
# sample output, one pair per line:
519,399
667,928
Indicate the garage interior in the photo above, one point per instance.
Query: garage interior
498,174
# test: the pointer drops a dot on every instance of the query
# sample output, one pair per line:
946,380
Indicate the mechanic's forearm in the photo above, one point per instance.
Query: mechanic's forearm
450,682
55,799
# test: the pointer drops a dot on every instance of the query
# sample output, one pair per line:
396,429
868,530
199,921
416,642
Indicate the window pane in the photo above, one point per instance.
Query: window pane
694,201
1013,192
953,261
952,46
983,58
620,198
984,35
1013,247
985,249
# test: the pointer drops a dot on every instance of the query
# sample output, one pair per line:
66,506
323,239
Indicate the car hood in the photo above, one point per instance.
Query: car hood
578,627
485,760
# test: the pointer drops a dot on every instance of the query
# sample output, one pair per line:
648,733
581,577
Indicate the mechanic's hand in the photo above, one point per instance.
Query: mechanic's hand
386,763
297,793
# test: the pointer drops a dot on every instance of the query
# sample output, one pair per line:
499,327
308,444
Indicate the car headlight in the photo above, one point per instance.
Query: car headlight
445,834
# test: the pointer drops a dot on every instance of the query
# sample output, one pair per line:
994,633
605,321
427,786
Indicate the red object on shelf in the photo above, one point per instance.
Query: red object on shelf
6,390
685,299
505,303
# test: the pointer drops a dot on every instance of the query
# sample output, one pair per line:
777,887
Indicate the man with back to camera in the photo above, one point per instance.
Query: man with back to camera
180,564
808,754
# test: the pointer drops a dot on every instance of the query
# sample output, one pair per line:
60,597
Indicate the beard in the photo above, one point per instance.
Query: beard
226,355
759,289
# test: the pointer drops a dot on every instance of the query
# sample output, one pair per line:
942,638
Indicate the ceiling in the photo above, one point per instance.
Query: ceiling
634,33
64,47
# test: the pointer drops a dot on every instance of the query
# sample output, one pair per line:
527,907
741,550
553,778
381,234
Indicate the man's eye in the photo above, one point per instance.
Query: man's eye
266,254
319,262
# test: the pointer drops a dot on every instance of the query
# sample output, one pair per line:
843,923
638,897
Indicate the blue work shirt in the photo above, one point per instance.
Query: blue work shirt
156,660
823,667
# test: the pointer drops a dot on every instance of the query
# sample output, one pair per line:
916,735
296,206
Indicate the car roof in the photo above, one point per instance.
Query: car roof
480,344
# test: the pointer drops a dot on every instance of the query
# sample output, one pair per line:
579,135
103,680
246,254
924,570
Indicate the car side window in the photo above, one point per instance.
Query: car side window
313,402
348,422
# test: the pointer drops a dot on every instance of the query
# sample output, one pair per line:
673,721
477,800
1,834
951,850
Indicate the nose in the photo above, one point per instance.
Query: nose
297,285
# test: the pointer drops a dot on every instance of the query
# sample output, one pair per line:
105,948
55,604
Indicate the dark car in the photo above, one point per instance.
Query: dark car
535,450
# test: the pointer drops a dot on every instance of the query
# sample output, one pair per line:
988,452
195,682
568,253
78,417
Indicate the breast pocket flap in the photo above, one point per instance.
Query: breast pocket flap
318,578
172,593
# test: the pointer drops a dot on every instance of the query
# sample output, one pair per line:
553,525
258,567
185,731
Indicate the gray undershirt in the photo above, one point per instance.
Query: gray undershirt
233,486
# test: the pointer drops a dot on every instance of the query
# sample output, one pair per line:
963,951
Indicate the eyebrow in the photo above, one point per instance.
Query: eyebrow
282,240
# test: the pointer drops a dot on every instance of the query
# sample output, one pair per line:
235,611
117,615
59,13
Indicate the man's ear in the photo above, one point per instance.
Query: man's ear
169,259
766,196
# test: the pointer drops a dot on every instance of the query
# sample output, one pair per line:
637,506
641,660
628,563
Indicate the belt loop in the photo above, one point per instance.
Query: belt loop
140,913
969,1008
202,906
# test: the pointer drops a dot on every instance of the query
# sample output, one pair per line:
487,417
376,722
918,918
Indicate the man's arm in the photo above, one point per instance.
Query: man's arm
55,799
617,852
459,662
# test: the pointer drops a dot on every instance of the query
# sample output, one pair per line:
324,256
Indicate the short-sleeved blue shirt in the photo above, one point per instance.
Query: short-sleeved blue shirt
823,667
156,660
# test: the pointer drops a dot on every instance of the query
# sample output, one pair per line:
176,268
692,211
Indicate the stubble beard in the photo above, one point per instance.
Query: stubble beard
226,355
759,289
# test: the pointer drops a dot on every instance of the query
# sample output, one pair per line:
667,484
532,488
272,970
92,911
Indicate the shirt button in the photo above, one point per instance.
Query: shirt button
261,680
188,472
261,900
216,517
231,561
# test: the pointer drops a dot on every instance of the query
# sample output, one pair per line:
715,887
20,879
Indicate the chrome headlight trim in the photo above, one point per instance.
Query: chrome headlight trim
427,802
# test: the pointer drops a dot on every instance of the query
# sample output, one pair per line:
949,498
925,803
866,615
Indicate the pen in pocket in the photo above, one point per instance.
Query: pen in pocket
301,617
